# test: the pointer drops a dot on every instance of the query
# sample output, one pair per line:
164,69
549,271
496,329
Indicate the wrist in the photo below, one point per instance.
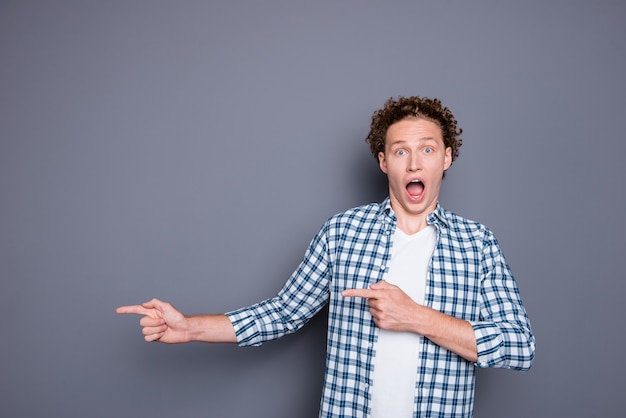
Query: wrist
190,329
424,320
209,328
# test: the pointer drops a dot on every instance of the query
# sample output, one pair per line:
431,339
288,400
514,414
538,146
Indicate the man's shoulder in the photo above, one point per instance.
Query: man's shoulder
367,211
361,218
462,225
455,218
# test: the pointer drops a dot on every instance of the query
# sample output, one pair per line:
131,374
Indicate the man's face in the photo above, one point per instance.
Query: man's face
414,160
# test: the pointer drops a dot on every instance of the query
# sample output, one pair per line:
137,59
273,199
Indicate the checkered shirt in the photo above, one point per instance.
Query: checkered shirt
468,279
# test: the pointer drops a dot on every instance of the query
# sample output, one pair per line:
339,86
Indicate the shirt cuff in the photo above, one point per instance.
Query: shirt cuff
488,343
246,330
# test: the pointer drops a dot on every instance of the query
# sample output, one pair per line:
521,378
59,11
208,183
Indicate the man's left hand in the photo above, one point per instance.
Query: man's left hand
391,308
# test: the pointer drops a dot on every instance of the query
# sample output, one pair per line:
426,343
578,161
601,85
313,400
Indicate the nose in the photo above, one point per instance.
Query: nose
414,162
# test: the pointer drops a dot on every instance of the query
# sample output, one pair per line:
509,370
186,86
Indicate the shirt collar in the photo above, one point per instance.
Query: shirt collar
436,217
385,210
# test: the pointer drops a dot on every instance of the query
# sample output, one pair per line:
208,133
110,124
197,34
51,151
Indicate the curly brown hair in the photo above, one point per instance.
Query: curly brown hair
410,108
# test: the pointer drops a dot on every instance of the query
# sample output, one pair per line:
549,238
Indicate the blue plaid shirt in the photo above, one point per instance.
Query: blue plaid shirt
468,279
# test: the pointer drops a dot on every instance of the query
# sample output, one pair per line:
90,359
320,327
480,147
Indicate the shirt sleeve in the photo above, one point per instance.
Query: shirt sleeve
504,336
302,296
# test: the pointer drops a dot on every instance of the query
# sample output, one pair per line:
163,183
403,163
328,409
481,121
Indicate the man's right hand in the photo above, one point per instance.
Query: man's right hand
161,321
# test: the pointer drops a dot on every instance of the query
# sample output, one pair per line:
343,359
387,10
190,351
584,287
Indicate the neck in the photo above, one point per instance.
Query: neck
411,224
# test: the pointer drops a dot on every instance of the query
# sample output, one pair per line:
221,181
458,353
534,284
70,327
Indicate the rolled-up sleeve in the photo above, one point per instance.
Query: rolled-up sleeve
302,296
504,336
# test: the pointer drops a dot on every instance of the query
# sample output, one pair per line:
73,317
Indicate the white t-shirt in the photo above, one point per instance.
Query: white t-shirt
397,353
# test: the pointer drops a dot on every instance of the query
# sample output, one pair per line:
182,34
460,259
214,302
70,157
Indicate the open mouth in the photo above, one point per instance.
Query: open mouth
415,188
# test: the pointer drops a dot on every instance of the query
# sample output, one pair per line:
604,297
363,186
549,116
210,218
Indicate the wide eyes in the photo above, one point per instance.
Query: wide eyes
425,150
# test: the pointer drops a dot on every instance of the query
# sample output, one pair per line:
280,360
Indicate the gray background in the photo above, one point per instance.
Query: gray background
190,150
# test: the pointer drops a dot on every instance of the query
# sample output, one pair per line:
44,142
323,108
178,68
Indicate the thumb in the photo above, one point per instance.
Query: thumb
160,306
382,285
155,304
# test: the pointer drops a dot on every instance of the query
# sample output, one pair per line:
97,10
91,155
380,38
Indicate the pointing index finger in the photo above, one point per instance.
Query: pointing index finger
133,309
359,293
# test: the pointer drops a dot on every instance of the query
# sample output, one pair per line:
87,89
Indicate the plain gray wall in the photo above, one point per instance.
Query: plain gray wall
189,150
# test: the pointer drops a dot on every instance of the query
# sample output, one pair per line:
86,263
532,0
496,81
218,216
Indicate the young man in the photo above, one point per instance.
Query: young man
418,296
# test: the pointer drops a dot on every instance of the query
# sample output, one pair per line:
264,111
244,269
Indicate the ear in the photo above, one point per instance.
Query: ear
382,162
447,161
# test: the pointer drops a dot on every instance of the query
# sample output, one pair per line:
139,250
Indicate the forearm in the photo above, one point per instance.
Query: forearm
210,329
451,333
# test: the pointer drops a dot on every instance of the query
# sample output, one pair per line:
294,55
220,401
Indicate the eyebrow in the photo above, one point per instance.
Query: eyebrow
423,139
